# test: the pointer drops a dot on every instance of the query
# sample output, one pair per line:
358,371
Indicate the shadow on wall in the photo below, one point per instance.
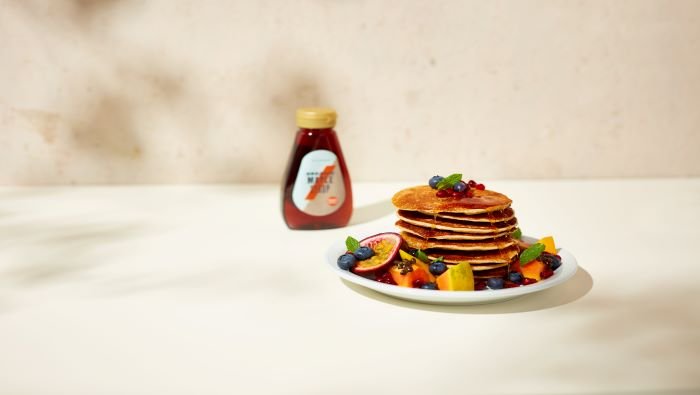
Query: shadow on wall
113,121
129,101
83,13
123,99
283,86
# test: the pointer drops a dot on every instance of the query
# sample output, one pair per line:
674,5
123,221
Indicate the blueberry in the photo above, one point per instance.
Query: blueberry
495,283
555,264
346,261
429,286
363,253
460,187
434,181
437,268
515,277
551,260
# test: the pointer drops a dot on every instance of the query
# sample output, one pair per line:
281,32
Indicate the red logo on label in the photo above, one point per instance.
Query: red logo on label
316,188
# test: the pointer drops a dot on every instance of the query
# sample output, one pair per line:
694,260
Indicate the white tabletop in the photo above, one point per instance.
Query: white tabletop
202,289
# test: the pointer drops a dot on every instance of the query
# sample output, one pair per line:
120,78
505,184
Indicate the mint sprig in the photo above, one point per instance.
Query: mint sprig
449,181
352,244
517,234
531,253
422,256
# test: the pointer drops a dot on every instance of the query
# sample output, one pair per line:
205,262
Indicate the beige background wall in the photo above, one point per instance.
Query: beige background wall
120,91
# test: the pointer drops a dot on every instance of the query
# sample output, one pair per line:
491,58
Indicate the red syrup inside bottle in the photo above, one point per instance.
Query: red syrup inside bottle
316,193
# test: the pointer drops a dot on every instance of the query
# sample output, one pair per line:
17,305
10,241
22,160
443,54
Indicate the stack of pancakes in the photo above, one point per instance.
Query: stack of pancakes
476,229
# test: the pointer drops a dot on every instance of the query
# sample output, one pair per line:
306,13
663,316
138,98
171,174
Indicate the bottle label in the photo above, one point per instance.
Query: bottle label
319,188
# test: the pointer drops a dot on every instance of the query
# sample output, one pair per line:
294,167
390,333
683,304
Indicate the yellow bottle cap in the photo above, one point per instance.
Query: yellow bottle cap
316,118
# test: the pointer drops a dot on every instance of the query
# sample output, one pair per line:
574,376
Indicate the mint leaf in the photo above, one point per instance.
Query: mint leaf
517,234
531,253
352,244
440,259
422,256
449,181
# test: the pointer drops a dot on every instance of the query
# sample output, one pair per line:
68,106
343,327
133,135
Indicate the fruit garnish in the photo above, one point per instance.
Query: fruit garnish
457,278
404,267
418,283
386,278
495,283
460,187
416,263
546,273
515,277
453,186
434,180
443,193
410,274
352,244
347,261
528,281
405,256
517,234
449,181
548,244
553,261
475,185
422,256
531,253
385,248
429,286
363,253
533,270
438,267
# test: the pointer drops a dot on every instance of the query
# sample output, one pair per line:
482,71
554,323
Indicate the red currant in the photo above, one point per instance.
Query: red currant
546,273
442,193
386,278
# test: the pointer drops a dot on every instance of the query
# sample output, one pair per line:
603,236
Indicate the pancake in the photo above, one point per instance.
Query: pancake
493,273
487,266
437,234
494,216
426,221
422,198
474,245
500,257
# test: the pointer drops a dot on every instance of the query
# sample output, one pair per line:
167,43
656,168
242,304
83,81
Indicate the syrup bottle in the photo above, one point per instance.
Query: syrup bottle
316,193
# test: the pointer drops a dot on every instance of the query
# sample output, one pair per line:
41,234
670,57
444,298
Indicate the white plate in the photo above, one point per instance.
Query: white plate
564,272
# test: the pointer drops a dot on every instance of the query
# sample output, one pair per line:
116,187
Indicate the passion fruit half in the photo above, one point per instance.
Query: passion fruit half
386,247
